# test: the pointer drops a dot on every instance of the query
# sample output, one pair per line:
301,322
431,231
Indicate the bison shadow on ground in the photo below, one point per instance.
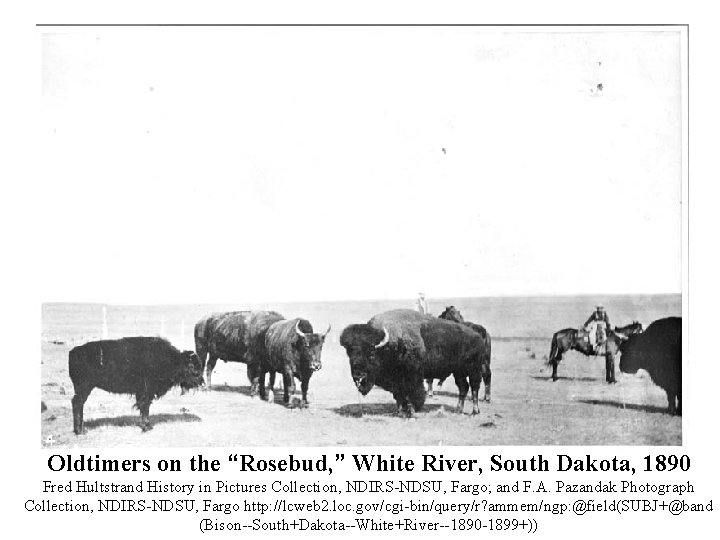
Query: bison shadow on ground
357,410
566,378
244,390
630,406
133,420
447,393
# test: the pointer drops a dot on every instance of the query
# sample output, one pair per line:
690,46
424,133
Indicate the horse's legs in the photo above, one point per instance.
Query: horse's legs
555,361
555,357
429,387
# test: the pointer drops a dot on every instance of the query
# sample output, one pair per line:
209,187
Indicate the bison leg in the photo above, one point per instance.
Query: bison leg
679,404
610,368
463,387
475,380
253,374
405,408
288,383
486,377
212,360
271,387
78,405
261,385
304,385
672,407
429,387
202,352
143,404
409,410
398,403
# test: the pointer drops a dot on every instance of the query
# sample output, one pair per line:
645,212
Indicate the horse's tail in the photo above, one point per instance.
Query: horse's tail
553,349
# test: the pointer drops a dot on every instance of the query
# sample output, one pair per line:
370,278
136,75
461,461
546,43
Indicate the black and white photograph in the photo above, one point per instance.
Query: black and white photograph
348,236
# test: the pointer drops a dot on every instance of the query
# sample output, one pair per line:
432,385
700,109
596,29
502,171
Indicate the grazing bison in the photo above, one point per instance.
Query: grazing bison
578,340
145,366
236,336
451,313
658,350
396,350
293,350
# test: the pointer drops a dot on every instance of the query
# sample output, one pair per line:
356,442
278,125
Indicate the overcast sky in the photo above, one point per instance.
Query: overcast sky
252,164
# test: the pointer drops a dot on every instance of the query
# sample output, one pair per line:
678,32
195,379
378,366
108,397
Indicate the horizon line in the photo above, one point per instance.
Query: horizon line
404,299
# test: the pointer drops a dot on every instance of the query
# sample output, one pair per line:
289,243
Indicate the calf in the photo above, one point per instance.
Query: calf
145,366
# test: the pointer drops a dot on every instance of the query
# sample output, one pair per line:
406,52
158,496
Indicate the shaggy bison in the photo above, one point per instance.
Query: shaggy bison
374,360
236,336
398,349
658,350
293,350
451,313
145,366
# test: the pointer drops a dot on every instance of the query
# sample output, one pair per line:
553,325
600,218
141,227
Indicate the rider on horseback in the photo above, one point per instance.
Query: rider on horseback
597,327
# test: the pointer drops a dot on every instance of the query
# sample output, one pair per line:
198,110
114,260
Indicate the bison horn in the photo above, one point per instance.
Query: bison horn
297,330
385,339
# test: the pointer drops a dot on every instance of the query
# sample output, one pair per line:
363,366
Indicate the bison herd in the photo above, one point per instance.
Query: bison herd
399,351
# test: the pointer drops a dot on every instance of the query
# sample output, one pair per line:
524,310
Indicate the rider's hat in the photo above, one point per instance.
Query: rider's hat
600,306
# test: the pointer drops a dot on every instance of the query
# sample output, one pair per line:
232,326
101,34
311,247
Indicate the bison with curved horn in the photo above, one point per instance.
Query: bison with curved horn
398,349
578,340
294,351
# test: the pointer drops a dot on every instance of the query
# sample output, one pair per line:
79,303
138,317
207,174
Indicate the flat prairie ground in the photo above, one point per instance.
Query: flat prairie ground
526,408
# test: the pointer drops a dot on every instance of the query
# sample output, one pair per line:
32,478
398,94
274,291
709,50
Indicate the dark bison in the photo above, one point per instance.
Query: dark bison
398,349
145,366
451,313
658,350
236,336
578,340
374,360
294,351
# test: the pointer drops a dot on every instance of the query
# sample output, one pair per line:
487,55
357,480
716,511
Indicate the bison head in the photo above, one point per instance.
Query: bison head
189,375
630,356
309,345
451,313
362,343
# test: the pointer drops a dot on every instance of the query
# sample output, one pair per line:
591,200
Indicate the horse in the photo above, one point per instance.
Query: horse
578,340
451,313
